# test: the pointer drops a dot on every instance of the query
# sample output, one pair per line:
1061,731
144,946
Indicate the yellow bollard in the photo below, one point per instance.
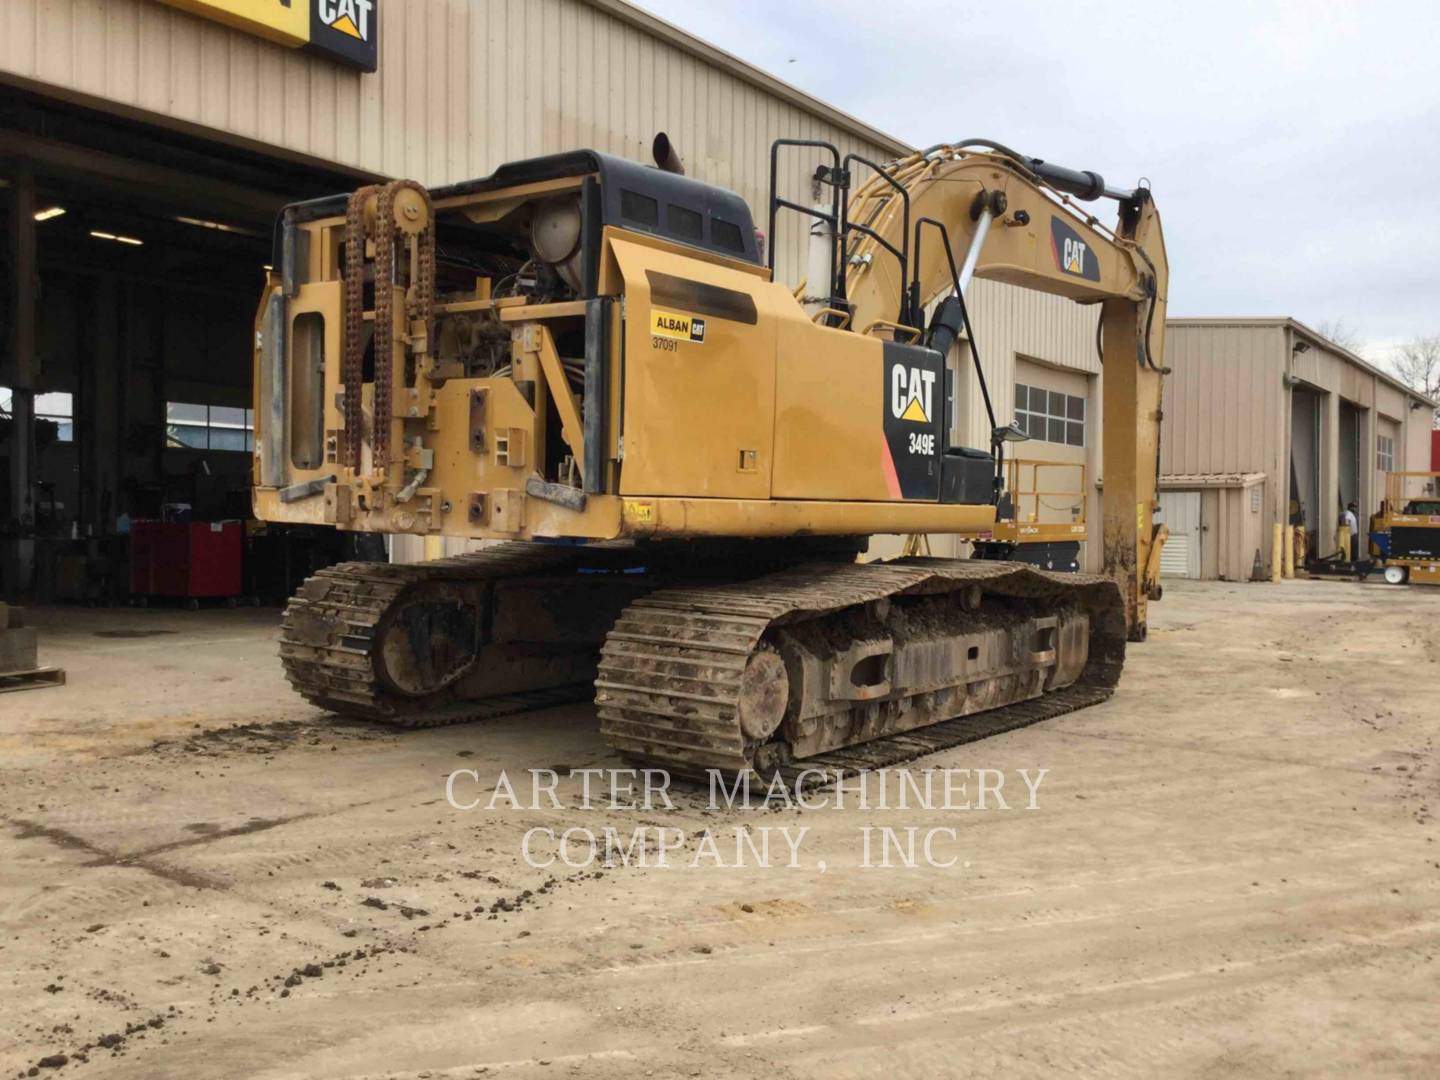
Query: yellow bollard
1276,558
1342,541
1289,550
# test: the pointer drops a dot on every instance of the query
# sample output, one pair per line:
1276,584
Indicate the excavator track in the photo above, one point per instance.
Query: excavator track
697,679
509,628
334,631
815,666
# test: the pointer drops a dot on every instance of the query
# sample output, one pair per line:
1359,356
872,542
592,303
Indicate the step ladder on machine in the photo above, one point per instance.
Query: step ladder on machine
19,666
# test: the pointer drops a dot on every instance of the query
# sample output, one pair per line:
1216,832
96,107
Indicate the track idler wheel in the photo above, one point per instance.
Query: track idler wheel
764,691
430,639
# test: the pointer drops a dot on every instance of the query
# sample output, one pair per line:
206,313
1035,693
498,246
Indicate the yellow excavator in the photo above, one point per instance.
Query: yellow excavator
591,359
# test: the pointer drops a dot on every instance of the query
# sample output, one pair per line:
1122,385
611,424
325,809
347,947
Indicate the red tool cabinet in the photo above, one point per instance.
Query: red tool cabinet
186,559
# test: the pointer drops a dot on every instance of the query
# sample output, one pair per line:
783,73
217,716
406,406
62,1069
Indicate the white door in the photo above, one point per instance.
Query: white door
1180,557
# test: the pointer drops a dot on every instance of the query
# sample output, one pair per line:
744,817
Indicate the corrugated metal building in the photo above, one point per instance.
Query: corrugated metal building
460,87
160,142
1266,421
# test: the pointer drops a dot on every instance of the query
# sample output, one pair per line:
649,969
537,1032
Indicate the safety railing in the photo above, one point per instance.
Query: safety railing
1413,494
1044,491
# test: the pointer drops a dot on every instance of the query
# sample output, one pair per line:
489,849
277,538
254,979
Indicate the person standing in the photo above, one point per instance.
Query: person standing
1352,523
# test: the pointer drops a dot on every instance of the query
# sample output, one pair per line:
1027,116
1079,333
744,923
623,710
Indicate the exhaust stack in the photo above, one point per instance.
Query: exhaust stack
665,156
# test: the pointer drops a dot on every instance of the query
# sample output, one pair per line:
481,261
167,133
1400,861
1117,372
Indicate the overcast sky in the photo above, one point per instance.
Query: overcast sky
1294,148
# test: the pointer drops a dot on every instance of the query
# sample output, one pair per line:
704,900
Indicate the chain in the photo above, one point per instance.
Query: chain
420,304
384,327
353,347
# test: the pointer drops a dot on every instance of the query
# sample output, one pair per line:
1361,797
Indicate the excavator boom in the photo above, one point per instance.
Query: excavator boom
1014,219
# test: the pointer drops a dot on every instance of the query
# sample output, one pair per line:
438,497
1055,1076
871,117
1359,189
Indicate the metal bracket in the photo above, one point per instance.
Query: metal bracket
507,510
477,419
307,490
571,498
510,447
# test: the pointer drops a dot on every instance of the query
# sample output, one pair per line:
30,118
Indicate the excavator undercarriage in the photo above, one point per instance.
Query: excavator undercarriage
694,665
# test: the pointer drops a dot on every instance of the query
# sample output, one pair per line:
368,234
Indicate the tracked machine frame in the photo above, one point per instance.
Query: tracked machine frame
591,360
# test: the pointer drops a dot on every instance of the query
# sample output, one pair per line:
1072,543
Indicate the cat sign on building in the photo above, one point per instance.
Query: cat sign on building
343,30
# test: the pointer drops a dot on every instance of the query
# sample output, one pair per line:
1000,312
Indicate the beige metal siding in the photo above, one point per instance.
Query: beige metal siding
1010,323
1232,537
1226,410
1416,455
1253,538
462,86
1225,526
1224,399
1390,402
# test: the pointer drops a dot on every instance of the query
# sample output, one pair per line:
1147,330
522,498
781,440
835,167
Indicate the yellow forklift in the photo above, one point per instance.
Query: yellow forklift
1405,535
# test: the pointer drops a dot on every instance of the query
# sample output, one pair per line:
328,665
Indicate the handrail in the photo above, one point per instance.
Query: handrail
895,327
902,253
1396,497
833,312
837,175
836,180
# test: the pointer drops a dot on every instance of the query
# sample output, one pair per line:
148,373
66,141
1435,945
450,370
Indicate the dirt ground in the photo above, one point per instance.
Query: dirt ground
1231,869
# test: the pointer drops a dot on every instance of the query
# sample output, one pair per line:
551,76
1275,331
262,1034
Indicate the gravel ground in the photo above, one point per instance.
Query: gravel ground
1230,869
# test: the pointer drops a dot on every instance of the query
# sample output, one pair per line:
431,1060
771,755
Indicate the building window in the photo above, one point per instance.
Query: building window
56,407
1384,453
1050,415
209,427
